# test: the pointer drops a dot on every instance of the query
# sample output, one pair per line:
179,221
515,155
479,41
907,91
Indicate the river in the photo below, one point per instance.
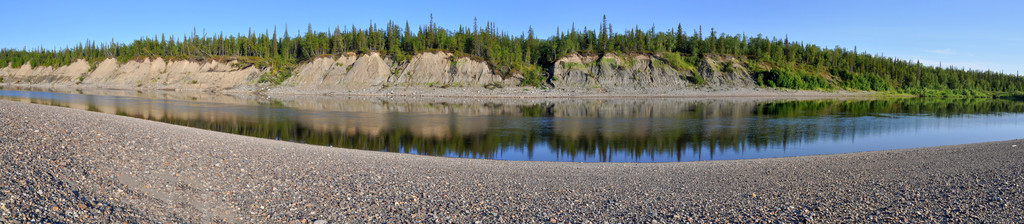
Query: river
571,129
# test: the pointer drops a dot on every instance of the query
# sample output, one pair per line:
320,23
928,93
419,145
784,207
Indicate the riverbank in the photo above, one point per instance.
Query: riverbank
432,74
476,92
63,165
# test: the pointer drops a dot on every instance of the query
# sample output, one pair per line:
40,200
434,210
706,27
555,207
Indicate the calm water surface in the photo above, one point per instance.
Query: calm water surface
581,130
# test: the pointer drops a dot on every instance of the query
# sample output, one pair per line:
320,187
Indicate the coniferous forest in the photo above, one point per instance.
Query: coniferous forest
774,62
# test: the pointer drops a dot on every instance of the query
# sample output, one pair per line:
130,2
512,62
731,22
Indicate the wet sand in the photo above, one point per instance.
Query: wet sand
66,165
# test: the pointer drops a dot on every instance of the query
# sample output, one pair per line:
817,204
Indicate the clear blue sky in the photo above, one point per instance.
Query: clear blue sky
974,34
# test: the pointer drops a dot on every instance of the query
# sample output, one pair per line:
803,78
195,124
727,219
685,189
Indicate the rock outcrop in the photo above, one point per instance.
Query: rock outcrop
726,73
613,72
637,72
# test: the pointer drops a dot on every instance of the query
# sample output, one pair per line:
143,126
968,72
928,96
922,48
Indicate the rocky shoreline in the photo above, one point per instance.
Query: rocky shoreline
66,165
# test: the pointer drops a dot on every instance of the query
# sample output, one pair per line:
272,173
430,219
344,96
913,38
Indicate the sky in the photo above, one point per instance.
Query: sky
982,35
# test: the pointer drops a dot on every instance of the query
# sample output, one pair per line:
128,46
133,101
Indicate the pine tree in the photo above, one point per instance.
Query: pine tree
603,41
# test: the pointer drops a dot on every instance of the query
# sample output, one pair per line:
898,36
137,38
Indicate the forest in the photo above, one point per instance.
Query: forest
774,62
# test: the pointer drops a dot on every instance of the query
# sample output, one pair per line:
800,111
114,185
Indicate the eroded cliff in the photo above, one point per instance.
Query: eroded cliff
372,72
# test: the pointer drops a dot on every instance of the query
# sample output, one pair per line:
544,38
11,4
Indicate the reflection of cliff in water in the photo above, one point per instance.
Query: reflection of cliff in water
606,128
570,128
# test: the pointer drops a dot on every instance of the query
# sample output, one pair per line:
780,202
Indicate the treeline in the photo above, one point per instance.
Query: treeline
776,62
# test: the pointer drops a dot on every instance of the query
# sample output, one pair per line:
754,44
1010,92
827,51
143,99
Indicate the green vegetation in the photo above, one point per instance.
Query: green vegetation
532,76
275,76
792,80
608,62
786,63
680,63
727,66
92,64
627,61
573,65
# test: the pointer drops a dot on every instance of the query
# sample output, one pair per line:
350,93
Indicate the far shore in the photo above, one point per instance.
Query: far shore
67,165
479,92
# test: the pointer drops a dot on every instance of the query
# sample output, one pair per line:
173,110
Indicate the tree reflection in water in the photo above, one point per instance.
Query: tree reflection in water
633,130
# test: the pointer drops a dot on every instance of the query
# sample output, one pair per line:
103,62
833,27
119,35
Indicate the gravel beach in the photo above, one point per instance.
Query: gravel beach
65,165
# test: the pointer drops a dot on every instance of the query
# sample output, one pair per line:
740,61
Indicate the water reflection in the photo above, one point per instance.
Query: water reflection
630,130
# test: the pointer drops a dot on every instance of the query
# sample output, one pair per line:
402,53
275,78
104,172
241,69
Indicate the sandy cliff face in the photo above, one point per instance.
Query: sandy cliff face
155,74
373,72
443,69
341,73
322,73
45,74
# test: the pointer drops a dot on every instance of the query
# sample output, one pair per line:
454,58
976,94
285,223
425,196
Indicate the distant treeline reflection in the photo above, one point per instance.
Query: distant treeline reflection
591,129
576,129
